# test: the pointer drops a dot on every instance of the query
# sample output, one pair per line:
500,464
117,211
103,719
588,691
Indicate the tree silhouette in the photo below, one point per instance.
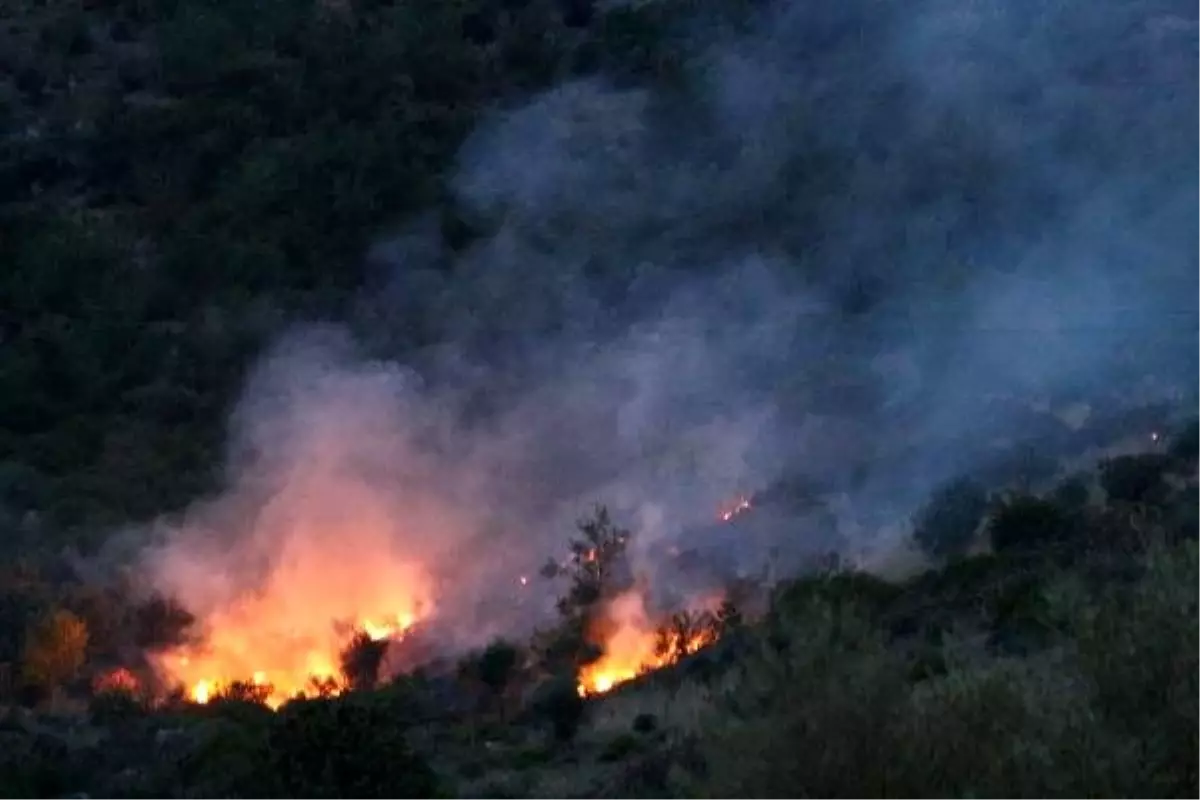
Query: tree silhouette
598,568
243,692
944,527
344,747
1136,478
1025,521
560,703
361,661
493,669
496,665
598,571
161,622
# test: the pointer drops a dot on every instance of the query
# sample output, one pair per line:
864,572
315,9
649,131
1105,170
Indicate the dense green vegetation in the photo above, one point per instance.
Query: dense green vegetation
180,180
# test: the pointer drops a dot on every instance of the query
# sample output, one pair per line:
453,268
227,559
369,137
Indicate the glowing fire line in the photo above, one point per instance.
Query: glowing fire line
631,646
249,645
209,680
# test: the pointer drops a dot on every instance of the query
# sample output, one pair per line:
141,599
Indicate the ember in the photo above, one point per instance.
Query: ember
732,509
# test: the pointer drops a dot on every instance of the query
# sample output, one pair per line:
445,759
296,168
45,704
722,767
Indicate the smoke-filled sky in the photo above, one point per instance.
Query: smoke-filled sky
832,248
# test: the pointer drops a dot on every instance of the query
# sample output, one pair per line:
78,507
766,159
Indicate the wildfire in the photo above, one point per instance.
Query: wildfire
381,629
633,645
731,509
286,637
117,680
276,667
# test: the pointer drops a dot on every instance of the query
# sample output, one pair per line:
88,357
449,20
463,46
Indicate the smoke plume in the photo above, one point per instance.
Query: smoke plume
853,242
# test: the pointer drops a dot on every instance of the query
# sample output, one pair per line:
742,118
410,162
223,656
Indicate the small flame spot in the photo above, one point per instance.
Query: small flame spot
731,510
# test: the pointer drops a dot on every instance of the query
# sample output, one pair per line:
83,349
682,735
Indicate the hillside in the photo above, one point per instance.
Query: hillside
1062,662
585,399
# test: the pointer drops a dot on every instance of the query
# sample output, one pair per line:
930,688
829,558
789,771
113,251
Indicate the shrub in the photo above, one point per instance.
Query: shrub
228,757
996,727
559,702
1019,617
1182,518
940,589
1022,522
807,721
838,716
1135,479
645,723
114,706
1137,647
1073,493
493,670
620,746
347,747
496,665
1185,446
946,525
868,594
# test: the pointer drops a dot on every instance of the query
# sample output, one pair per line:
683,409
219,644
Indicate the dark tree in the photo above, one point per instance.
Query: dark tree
1185,446
497,665
161,622
243,692
945,526
1072,493
560,703
729,615
1136,479
361,660
346,747
493,670
1022,522
598,568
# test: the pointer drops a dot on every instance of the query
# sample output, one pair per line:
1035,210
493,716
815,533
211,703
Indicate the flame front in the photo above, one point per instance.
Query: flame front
286,635
631,646
282,663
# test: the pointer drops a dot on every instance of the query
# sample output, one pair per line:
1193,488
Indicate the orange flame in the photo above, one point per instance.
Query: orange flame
117,680
631,646
286,667
289,637
731,509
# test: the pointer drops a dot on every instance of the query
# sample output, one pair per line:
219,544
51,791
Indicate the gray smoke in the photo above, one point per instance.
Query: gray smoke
855,242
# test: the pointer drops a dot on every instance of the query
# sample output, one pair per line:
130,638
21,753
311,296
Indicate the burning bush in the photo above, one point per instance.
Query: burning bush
607,633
